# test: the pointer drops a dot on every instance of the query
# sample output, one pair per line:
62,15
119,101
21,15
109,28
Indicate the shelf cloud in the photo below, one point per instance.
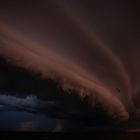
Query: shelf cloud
66,47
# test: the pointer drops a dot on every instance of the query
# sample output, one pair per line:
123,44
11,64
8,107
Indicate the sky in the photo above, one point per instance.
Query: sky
90,47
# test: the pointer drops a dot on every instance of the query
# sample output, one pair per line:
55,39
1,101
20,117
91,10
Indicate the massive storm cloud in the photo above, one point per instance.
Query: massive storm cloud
92,48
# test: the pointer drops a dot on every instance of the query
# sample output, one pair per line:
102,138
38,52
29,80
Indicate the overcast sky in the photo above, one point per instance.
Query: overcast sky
100,38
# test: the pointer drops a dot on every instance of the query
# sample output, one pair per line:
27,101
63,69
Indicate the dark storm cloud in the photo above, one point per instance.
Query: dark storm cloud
86,46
